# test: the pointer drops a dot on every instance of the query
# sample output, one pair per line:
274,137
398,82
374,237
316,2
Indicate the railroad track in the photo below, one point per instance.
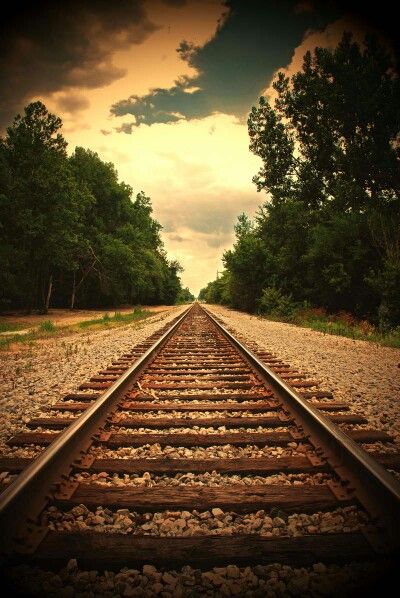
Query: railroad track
138,442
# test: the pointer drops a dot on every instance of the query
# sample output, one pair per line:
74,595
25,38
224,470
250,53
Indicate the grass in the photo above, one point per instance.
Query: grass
117,318
24,339
47,326
48,329
342,324
11,326
390,338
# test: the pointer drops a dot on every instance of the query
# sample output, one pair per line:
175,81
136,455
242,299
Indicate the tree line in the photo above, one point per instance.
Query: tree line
71,234
328,234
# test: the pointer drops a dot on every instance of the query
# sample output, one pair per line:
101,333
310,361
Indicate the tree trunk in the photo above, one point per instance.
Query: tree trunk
73,292
49,290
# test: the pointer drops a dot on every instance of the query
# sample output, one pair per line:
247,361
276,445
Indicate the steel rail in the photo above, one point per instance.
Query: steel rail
29,493
374,487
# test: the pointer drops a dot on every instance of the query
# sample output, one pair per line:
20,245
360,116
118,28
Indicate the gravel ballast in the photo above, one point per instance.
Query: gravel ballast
260,581
199,523
32,378
362,374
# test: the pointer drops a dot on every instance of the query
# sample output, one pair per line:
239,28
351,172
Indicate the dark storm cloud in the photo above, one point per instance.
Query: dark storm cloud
50,46
175,3
253,40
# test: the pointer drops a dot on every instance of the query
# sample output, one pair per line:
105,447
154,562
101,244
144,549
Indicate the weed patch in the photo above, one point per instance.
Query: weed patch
11,326
340,324
47,326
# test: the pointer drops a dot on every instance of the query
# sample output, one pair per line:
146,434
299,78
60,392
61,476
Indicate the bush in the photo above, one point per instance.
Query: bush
274,303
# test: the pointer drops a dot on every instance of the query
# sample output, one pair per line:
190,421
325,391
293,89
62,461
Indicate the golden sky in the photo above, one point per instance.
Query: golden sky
173,123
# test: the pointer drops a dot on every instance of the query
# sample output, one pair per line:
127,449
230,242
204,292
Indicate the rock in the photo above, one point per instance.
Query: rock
167,525
217,512
278,522
267,522
232,571
66,592
205,515
72,565
214,578
149,570
169,579
220,570
80,510
312,529
157,588
298,585
319,568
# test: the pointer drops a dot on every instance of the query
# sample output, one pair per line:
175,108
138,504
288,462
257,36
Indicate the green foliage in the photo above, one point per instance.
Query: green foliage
47,326
246,267
344,324
40,207
137,314
329,232
70,232
184,296
11,326
217,291
274,303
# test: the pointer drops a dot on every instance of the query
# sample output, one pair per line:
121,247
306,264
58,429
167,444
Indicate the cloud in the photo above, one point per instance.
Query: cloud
252,41
105,132
47,47
177,238
328,38
201,256
198,184
72,102
212,214
125,128
175,3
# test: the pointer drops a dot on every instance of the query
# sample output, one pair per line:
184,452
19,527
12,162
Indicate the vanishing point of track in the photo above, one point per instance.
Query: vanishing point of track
194,385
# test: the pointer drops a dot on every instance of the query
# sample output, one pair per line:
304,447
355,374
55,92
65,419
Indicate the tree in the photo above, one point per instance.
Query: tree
122,259
42,204
246,265
331,144
217,291
185,296
333,133
70,231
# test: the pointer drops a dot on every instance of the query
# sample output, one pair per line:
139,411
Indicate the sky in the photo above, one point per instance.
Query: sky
162,88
